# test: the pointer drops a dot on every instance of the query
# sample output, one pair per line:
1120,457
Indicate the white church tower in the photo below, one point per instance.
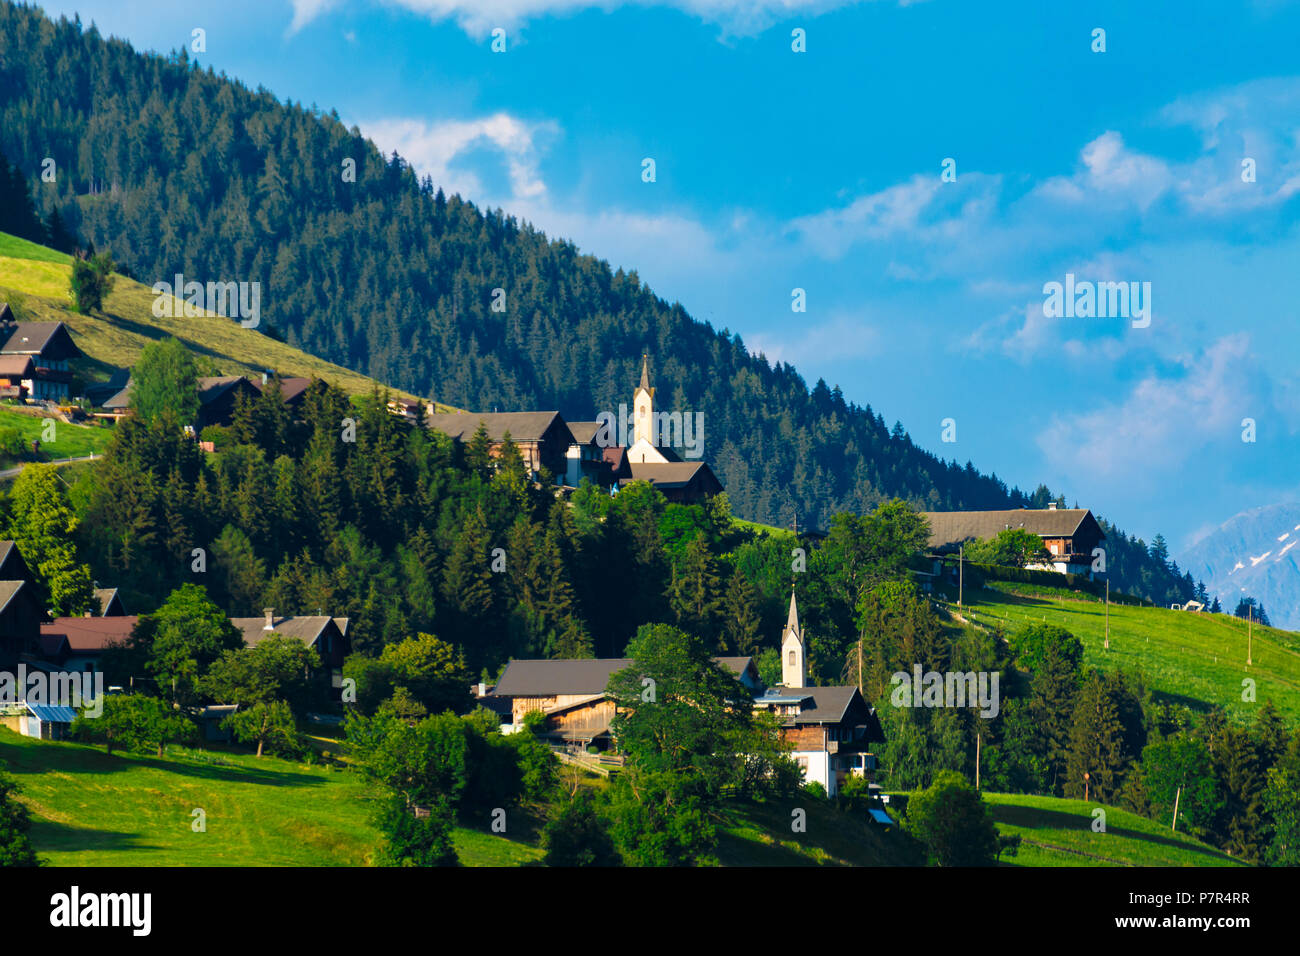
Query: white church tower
643,447
794,670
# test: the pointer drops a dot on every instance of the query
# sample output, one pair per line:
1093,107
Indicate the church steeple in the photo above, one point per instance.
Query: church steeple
794,670
643,403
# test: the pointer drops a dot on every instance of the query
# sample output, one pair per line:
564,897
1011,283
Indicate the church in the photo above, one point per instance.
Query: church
831,728
612,451
604,451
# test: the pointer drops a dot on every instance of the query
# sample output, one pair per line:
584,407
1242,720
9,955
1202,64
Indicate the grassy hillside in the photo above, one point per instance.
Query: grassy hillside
91,809
1195,659
34,280
68,441
1058,832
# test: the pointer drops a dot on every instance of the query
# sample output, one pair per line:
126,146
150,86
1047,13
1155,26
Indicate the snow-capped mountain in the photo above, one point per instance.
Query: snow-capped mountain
1254,553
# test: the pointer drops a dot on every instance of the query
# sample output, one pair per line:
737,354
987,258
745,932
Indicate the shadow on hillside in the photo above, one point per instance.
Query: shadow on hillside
49,836
72,758
1037,819
1191,703
153,332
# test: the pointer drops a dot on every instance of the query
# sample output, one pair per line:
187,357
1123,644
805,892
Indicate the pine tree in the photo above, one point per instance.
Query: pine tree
741,611
1096,743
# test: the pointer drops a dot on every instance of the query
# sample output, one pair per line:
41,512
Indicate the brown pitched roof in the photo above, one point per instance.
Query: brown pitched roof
522,426
8,589
824,705
89,634
291,389
214,386
16,366
550,678
106,598
584,433
953,527
306,628
672,474
38,338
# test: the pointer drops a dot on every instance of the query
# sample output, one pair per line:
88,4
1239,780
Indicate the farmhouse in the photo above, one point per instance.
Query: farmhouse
543,438
20,607
328,635
571,694
78,643
831,728
48,345
1069,534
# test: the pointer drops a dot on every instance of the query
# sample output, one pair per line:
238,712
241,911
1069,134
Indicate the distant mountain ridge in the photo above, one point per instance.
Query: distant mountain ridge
1255,553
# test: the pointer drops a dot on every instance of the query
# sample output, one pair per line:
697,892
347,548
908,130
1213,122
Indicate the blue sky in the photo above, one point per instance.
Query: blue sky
822,170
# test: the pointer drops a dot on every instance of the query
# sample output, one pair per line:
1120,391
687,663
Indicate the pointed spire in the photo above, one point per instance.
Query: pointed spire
792,622
645,371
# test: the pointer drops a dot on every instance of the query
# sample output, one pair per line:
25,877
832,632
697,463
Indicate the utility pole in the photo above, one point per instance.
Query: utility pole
1177,796
961,575
977,763
1250,620
1108,613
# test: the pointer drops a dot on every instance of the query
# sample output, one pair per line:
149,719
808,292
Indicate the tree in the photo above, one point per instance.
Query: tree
1178,770
134,722
42,523
91,282
276,668
182,639
432,671
575,835
1010,547
694,593
164,382
680,713
15,827
1096,743
416,838
268,724
952,821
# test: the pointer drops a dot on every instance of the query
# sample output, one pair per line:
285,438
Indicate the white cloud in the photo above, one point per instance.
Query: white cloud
843,336
1163,423
479,17
433,148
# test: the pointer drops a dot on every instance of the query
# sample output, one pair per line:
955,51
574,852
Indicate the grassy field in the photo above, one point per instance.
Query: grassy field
35,280
761,834
90,809
69,441
1056,832
1195,659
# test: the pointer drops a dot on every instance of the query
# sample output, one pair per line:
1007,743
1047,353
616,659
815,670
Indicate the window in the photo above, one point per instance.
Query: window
792,659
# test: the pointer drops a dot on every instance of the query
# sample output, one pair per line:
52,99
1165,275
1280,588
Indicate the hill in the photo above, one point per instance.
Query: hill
91,809
178,170
34,280
1195,659
1056,832
1254,554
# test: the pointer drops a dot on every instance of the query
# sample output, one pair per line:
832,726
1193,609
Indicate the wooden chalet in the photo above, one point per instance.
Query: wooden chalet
571,694
1069,534
49,347
543,438
328,635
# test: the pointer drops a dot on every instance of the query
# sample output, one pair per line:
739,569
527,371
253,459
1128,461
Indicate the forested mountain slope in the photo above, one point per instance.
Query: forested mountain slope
174,169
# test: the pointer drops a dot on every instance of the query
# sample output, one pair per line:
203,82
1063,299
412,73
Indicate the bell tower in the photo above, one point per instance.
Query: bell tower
643,407
794,669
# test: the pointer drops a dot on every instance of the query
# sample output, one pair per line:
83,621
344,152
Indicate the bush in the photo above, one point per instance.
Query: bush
577,836
416,840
